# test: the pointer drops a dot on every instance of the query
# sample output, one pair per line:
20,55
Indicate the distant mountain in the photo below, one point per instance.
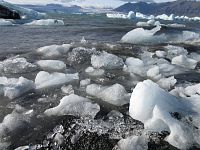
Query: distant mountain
52,8
180,8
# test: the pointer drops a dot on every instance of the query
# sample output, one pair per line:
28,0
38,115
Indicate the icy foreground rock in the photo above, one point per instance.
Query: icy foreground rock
54,50
46,22
107,61
159,107
74,105
46,80
15,87
52,65
141,36
115,94
16,65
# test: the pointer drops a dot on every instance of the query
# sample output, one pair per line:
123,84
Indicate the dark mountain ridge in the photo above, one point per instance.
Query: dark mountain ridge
180,8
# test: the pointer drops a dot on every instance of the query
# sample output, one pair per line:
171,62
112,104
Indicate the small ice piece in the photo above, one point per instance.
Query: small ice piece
192,90
167,83
195,56
165,17
17,119
59,139
16,65
80,55
46,22
116,15
54,50
184,61
173,51
15,87
84,83
133,143
67,89
51,65
4,22
114,94
153,72
161,54
141,36
94,72
107,61
142,24
74,105
22,148
135,65
83,40
131,15
114,114
47,80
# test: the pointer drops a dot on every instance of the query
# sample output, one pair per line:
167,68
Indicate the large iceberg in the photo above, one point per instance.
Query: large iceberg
107,61
47,22
54,50
25,13
74,105
47,80
142,36
15,87
115,94
160,108
51,65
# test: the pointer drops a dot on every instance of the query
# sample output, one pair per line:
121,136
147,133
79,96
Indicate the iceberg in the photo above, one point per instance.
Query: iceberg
114,94
54,50
116,15
107,61
165,17
74,105
15,87
4,22
142,36
51,65
47,80
46,22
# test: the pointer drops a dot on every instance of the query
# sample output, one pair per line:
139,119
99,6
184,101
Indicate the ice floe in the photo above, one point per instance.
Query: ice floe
16,65
94,72
15,87
47,22
47,80
107,61
74,105
51,65
54,50
114,94
159,107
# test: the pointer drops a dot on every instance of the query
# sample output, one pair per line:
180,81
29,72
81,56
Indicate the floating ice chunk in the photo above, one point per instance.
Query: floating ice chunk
154,73
74,105
184,61
16,65
116,15
51,65
47,80
176,25
195,56
107,61
192,90
165,17
140,15
80,55
46,22
161,54
135,65
173,51
190,36
133,143
142,24
167,83
13,87
17,119
141,36
131,15
84,83
67,89
115,94
4,22
158,104
94,72
54,50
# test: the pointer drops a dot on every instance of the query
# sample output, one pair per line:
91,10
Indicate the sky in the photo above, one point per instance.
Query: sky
82,3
